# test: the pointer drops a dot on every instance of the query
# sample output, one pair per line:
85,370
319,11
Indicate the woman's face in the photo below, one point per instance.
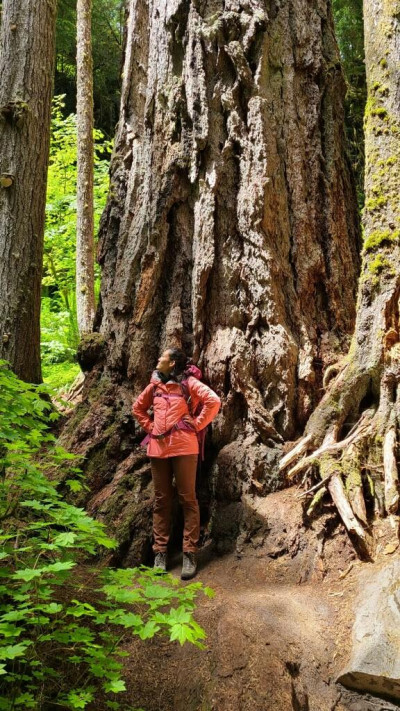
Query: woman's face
164,363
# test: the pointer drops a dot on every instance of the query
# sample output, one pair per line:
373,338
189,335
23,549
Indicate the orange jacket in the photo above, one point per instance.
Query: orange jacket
169,410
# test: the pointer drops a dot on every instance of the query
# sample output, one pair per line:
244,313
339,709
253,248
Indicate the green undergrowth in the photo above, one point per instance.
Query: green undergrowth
60,375
62,619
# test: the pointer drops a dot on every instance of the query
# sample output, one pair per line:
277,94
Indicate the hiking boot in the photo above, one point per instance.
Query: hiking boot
189,566
160,561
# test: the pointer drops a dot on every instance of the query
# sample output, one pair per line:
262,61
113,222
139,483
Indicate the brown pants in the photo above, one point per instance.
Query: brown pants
184,470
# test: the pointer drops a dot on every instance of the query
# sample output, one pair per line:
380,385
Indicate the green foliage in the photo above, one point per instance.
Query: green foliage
59,334
61,622
59,337
60,232
349,28
60,375
108,18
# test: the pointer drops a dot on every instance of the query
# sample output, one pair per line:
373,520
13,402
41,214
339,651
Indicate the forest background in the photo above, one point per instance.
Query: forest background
59,345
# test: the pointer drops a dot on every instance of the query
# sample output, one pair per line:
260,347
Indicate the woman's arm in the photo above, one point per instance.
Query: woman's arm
210,400
140,407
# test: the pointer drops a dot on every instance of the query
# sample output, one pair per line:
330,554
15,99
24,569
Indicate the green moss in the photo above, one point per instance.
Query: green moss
376,203
379,237
353,476
328,465
379,264
383,63
379,111
316,500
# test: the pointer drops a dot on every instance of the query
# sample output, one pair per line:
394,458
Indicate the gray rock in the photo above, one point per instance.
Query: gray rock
375,656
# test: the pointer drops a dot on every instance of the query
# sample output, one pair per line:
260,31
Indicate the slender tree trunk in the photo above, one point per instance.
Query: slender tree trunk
26,78
366,389
85,301
231,230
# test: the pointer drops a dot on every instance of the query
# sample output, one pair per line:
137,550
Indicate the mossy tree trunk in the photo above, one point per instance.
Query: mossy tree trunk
231,230
365,394
27,46
85,300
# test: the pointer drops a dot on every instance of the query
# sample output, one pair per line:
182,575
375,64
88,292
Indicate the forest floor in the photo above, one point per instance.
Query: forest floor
278,629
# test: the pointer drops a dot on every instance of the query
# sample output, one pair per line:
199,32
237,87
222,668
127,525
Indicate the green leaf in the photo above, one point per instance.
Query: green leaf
79,698
115,686
182,633
16,615
14,650
8,630
27,574
26,700
52,607
74,485
149,630
60,565
65,539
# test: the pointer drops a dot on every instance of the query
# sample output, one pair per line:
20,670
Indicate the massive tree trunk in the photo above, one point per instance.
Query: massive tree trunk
231,229
85,301
365,393
27,42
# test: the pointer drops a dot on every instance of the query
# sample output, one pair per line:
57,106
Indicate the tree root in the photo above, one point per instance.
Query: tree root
391,473
340,465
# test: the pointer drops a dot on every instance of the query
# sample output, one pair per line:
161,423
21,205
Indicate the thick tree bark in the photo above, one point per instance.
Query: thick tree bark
26,77
231,227
367,386
85,301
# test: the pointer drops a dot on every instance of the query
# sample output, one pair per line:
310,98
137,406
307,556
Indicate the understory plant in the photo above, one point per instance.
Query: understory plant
63,621
59,328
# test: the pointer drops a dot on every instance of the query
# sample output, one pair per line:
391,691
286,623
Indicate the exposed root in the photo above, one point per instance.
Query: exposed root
316,500
350,504
331,447
297,451
363,389
351,466
331,372
69,399
391,473
351,523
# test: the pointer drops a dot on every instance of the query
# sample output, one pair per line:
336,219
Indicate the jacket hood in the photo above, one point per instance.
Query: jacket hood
190,370
156,378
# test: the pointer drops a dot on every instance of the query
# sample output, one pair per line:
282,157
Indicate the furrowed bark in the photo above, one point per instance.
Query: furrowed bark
231,227
27,41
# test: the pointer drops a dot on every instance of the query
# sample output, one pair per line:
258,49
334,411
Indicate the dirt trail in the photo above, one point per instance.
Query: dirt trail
278,629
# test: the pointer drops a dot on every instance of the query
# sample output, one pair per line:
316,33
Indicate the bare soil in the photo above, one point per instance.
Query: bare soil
278,629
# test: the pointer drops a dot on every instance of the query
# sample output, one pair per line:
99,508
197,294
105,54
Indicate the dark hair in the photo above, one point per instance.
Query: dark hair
180,358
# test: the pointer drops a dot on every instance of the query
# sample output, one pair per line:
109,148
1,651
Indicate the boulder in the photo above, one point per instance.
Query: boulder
375,655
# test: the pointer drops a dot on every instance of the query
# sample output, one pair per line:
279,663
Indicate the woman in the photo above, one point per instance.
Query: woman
173,448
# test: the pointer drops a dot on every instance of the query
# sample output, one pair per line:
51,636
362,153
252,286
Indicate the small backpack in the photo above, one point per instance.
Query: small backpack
195,372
